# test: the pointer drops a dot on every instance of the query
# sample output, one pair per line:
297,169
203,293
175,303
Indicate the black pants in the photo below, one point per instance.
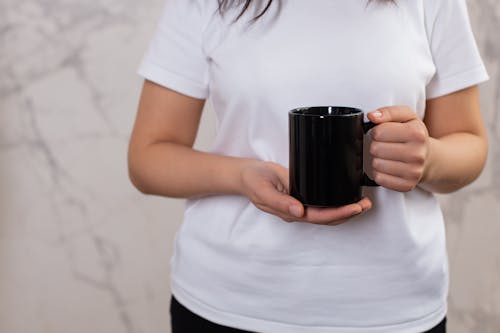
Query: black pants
185,321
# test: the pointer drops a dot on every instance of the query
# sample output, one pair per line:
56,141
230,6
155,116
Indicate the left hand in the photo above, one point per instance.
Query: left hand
400,146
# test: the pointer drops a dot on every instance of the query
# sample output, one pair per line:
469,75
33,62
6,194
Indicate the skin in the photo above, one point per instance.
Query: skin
443,153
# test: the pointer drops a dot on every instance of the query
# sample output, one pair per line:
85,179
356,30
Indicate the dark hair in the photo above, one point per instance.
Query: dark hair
224,4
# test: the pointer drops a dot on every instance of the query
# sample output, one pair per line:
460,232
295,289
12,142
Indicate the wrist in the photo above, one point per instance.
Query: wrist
430,162
242,165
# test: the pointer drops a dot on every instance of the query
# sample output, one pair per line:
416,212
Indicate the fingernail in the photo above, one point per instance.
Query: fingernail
377,114
295,210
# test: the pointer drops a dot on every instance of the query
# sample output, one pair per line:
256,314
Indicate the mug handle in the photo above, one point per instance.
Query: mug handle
367,181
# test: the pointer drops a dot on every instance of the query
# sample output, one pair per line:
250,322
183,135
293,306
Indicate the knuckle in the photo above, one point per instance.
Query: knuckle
414,174
419,158
419,174
378,178
421,137
284,208
377,133
374,148
417,131
418,135
376,163
407,187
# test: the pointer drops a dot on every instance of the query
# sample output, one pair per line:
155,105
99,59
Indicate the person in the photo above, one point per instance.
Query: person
250,257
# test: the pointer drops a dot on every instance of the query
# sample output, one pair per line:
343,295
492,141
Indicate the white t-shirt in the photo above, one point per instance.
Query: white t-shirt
385,270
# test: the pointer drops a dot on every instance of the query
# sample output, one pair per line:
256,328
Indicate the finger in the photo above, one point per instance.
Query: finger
393,182
275,201
365,204
280,187
328,215
397,152
398,114
282,172
324,216
398,169
391,132
288,217
284,178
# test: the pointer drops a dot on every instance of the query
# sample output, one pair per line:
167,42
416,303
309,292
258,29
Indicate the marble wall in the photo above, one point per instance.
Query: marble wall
473,214
80,249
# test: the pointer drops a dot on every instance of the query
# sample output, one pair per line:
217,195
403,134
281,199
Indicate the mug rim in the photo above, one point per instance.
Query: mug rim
298,111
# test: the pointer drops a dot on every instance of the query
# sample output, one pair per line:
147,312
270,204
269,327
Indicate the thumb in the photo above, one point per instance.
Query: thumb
398,114
286,203
282,173
281,202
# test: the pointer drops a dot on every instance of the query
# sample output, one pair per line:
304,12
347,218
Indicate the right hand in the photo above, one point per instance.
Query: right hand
266,185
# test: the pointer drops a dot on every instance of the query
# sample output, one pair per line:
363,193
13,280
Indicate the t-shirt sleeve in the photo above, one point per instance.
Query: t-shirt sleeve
454,50
175,58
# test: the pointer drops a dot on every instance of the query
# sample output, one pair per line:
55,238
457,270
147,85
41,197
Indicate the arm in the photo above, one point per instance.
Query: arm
442,154
458,143
161,159
162,162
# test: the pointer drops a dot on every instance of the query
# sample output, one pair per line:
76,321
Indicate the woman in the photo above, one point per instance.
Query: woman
240,264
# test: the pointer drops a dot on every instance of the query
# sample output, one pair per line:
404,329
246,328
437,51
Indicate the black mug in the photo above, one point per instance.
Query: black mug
326,155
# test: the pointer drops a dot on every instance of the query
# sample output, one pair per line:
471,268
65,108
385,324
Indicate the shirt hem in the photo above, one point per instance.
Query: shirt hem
260,325
457,82
171,80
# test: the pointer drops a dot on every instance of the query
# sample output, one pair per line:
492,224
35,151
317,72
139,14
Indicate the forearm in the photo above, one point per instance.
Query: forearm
455,161
175,170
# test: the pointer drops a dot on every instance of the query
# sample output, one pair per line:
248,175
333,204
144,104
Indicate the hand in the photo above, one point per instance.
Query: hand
266,185
400,146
